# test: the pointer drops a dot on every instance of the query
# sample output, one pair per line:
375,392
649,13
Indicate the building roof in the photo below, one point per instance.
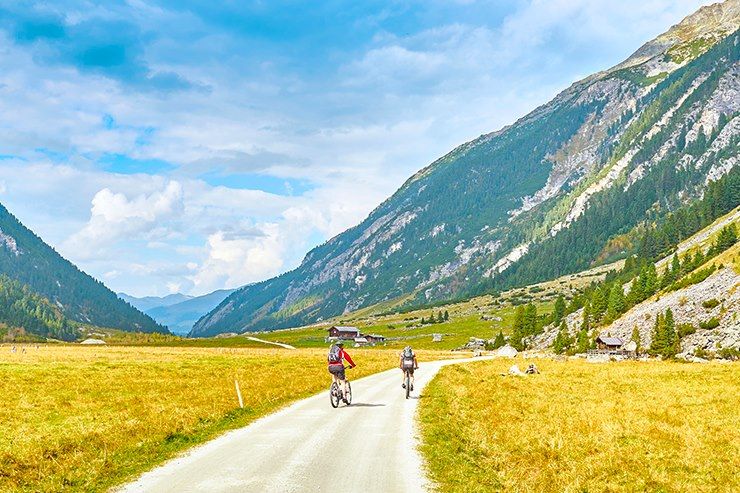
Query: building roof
376,336
341,328
610,341
360,339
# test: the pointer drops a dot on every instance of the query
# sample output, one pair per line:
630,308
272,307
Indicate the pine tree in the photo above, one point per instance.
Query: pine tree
447,316
672,341
616,304
636,339
583,342
431,318
586,322
517,332
563,340
675,266
440,317
499,341
559,310
423,321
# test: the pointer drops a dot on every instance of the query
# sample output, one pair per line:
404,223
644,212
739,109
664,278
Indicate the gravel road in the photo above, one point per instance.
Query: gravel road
309,446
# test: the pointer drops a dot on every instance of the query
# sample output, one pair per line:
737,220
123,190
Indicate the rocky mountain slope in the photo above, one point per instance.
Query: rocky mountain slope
534,200
57,283
716,297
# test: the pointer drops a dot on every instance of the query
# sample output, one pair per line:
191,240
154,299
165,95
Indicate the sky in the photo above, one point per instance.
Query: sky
188,146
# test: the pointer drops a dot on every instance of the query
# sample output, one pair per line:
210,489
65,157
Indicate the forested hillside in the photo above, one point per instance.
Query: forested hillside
25,258
23,313
567,186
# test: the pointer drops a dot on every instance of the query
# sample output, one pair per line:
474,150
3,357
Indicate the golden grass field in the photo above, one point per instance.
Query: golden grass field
637,426
87,418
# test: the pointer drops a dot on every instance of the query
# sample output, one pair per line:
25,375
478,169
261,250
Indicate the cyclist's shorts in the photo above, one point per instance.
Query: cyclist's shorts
410,370
338,371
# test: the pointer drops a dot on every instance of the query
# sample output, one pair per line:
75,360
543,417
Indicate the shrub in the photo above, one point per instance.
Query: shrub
710,324
730,353
685,330
702,353
709,304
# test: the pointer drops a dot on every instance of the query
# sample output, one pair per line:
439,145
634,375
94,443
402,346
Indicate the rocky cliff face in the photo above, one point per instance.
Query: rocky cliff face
537,199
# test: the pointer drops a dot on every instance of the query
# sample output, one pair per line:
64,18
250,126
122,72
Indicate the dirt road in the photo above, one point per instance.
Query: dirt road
369,446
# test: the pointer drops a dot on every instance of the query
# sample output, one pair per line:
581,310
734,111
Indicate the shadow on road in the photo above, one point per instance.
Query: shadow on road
362,404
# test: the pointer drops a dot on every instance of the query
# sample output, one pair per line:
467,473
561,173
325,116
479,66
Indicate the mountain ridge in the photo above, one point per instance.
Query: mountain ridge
36,266
494,211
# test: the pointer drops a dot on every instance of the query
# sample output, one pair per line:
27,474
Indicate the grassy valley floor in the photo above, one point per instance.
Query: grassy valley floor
86,418
637,426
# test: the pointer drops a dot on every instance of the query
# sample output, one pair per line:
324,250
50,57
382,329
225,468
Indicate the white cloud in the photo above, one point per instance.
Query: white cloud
115,217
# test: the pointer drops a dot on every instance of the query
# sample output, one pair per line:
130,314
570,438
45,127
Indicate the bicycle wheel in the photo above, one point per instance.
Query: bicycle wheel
408,384
334,395
348,395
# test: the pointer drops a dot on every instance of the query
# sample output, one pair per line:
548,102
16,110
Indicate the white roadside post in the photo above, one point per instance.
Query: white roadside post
239,393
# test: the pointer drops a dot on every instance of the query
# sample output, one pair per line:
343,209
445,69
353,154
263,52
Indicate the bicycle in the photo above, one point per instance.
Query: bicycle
336,394
407,379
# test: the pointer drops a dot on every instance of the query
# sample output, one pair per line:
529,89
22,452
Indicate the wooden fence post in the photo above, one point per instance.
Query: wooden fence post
239,393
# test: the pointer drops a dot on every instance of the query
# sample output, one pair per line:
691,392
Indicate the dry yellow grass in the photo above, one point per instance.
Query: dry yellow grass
86,418
584,427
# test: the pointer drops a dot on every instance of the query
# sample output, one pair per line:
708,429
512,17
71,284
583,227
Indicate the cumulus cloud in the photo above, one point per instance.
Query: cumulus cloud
114,216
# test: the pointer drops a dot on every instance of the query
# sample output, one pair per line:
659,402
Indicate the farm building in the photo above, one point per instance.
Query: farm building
341,332
609,343
375,338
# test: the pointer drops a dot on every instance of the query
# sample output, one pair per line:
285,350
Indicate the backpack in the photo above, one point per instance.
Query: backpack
408,354
335,354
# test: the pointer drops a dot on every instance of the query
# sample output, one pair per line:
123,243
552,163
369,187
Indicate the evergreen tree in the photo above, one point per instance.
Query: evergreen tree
518,330
583,343
447,316
440,317
671,336
423,321
675,266
658,345
530,322
563,340
586,322
636,339
499,341
559,310
617,304
431,318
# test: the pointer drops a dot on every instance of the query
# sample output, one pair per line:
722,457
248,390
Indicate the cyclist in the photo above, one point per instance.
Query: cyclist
407,361
336,365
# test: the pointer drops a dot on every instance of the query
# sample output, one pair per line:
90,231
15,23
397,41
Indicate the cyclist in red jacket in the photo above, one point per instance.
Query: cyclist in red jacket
336,364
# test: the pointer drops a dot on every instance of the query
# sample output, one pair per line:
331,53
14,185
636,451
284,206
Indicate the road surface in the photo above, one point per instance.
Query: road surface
286,346
369,446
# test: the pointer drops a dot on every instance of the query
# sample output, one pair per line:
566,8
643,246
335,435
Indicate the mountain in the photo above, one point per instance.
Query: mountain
180,317
40,270
149,302
24,314
551,194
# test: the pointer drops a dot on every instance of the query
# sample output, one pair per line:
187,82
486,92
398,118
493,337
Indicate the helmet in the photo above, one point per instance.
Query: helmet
339,342
407,348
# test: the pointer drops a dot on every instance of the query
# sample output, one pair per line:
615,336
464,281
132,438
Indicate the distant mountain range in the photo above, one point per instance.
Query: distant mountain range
148,302
47,293
178,312
561,189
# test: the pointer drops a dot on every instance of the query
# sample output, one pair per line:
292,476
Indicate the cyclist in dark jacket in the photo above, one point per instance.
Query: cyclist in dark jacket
407,361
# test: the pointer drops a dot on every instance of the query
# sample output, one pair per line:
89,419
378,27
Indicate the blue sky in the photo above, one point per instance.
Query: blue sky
191,145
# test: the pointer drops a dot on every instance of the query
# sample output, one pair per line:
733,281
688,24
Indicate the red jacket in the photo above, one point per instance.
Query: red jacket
343,355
